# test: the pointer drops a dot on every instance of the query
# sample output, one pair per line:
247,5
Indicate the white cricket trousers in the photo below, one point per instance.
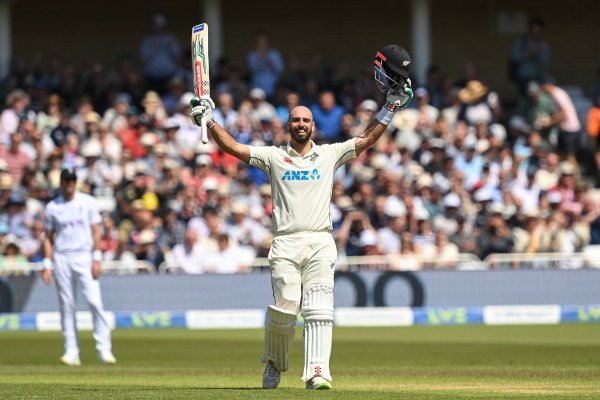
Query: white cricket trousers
71,272
299,262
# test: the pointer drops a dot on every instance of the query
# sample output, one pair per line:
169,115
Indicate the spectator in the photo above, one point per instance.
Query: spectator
228,259
12,261
565,116
593,130
160,53
188,256
14,156
328,117
17,102
495,237
530,55
265,65
224,114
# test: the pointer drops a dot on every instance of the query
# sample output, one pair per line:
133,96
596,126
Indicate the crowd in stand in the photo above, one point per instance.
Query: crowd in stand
456,173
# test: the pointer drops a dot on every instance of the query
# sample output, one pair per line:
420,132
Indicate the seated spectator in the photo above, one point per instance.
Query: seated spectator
12,262
188,256
409,258
228,259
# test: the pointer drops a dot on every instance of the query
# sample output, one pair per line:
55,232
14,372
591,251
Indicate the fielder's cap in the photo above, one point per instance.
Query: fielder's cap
257,94
369,105
68,173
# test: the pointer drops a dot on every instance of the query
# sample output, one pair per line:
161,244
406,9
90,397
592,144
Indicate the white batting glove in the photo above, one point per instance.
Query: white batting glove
398,99
202,109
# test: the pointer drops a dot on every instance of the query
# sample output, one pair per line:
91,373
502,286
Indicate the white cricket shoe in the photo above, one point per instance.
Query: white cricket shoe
271,377
107,358
318,383
70,360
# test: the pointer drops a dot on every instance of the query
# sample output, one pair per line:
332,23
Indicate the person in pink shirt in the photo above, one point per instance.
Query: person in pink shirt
16,159
566,119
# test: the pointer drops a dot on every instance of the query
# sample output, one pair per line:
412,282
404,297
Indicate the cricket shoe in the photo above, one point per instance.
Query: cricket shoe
271,377
70,360
318,383
107,358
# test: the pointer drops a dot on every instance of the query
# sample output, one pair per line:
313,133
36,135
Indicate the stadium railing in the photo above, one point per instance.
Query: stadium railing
115,267
589,258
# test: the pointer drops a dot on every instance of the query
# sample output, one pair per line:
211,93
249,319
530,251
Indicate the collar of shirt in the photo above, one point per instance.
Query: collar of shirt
315,149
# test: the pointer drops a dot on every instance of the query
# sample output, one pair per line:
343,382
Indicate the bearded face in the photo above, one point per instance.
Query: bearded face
301,124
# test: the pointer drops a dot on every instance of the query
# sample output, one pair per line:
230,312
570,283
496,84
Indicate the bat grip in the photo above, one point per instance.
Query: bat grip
204,136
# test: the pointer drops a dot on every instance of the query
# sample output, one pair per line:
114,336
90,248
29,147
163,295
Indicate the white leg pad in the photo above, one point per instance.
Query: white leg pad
317,309
279,336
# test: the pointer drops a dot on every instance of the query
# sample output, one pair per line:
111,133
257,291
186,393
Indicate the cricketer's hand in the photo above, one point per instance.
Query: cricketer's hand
201,109
398,99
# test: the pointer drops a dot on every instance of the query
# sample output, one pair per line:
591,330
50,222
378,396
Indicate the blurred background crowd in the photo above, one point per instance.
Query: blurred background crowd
461,170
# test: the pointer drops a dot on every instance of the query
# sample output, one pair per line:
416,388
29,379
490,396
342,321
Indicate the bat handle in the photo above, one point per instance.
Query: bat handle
204,136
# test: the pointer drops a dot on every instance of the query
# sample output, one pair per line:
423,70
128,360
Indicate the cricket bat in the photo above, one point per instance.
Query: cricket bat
200,67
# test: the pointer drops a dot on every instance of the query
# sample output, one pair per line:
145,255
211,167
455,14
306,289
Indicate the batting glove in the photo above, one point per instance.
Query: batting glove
398,99
202,109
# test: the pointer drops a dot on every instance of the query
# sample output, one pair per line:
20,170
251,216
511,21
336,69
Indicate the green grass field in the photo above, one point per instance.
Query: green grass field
454,362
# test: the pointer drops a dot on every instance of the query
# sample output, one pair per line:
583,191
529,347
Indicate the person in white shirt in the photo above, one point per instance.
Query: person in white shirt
72,254
303,252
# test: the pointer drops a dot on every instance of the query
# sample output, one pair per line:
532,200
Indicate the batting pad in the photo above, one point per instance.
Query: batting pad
279,336
317,309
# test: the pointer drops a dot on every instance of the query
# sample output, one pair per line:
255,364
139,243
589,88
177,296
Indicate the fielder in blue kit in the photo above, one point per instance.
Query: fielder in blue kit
303,252
72,254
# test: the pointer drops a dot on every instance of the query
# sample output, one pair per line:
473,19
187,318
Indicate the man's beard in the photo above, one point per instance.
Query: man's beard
300,139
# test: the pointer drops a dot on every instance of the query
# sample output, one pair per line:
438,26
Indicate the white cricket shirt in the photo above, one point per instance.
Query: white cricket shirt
71,222
301,186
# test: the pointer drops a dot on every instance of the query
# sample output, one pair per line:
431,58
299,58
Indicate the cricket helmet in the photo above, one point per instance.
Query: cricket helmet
391,67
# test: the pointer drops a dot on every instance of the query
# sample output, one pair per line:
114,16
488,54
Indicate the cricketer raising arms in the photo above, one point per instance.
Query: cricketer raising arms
71,251
303,252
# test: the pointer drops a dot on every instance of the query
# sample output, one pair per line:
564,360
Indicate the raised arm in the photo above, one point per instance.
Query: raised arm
395,100
202,109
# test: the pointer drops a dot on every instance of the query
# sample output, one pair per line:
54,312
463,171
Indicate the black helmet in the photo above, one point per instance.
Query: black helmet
391,66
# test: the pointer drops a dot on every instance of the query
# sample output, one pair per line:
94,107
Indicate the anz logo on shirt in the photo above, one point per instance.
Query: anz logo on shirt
303,175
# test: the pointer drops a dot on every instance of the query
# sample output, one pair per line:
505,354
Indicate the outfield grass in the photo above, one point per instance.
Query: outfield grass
454,362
